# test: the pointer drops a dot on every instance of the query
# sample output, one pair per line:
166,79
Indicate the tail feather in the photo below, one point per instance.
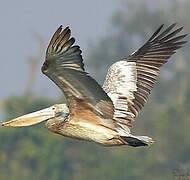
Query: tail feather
137,141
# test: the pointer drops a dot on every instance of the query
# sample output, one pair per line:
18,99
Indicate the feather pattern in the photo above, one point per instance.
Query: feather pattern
64,65
130,81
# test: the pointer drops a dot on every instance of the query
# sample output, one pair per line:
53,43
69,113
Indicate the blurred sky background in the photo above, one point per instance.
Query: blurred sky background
23,21
106,30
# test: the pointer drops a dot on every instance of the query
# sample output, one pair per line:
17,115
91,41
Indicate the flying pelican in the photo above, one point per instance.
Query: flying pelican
102,114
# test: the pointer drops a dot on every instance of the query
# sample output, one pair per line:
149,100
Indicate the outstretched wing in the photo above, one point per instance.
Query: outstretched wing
64,66
129,82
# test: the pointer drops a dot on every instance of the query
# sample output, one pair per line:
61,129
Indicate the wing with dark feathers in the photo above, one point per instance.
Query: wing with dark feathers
130,81
64,65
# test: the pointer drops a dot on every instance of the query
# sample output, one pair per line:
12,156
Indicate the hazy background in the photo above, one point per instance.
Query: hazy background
25,23
106,31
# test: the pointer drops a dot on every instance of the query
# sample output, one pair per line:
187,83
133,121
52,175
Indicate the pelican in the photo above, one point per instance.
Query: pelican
102,114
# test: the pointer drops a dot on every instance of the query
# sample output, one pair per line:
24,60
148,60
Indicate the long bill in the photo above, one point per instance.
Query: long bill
36,117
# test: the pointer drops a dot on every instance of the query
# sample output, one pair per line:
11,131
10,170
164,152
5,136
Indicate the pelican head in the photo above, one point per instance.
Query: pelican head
38,116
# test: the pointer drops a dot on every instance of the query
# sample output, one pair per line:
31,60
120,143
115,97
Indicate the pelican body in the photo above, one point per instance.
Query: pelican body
82,131
101,114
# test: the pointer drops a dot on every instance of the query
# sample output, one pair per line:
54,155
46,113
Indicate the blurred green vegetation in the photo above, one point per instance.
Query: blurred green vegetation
35,153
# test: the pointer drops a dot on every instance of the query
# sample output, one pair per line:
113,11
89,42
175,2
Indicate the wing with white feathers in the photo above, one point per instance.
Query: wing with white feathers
129,82
120,85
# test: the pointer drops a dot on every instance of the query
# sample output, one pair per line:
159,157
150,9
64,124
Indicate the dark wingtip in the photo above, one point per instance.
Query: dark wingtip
162,25
169,34
67,28
156,32
59,29
173,25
